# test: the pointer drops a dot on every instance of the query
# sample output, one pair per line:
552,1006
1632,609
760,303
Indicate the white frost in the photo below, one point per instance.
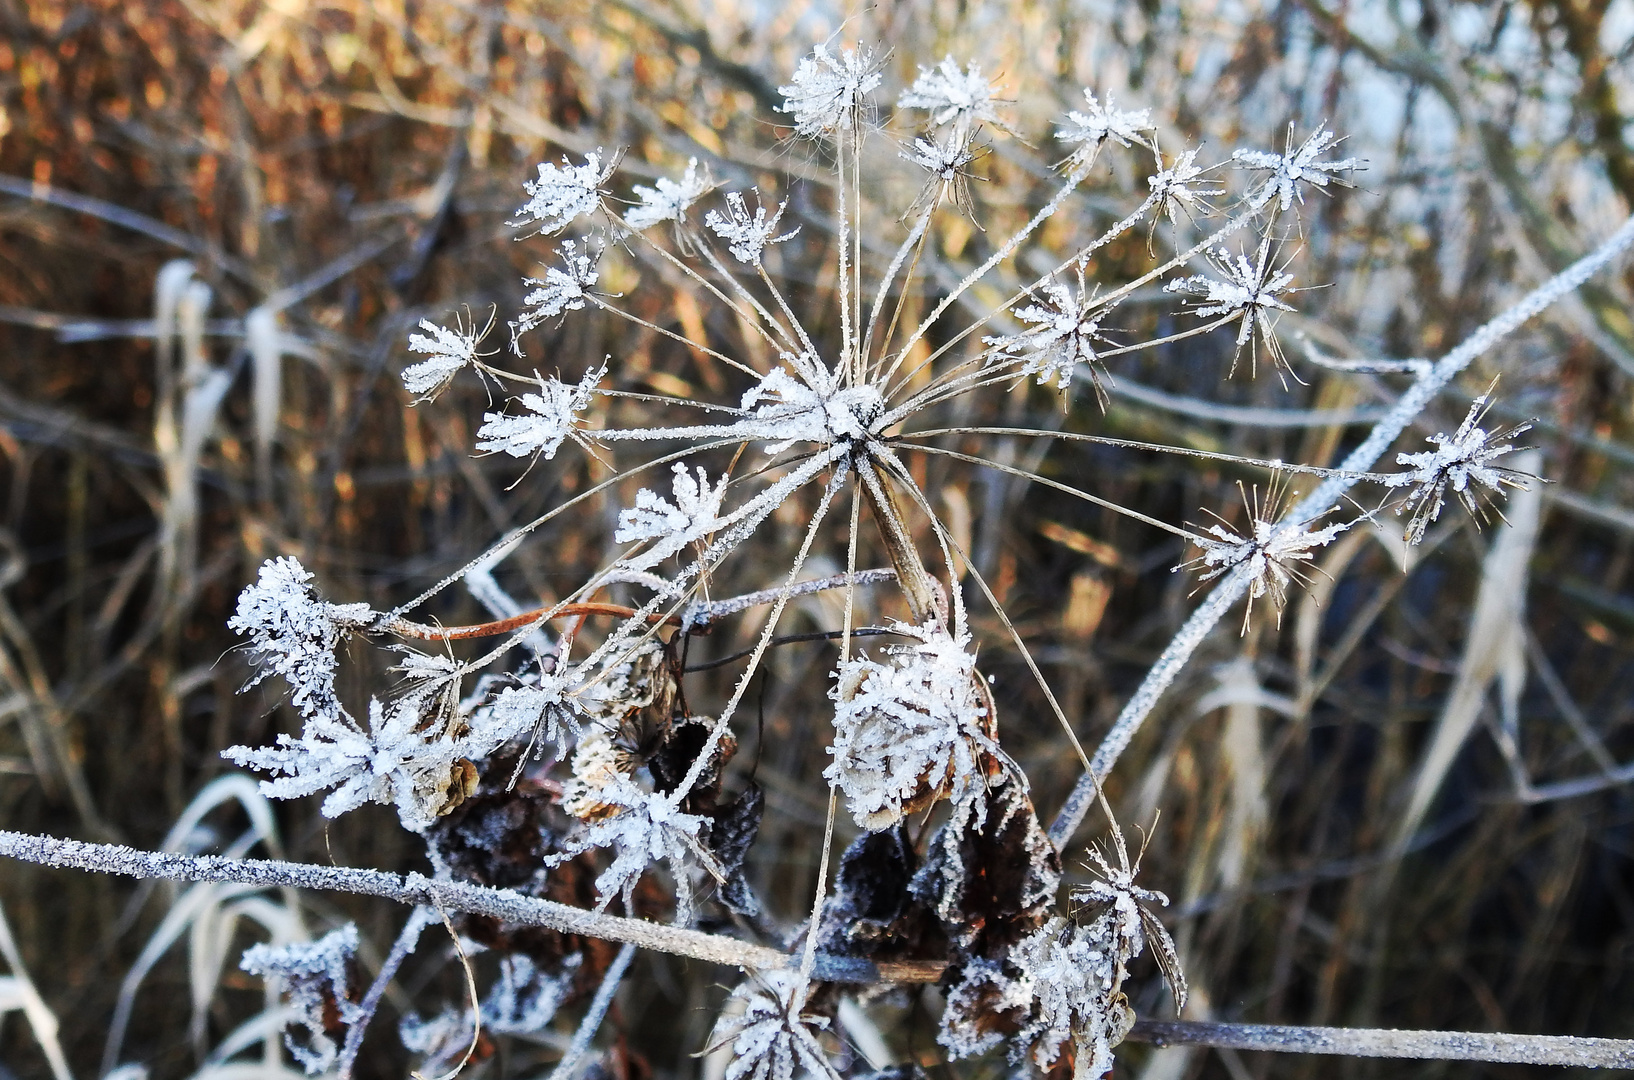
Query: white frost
562,289
563,193
747,236
670,199
827,91
551,418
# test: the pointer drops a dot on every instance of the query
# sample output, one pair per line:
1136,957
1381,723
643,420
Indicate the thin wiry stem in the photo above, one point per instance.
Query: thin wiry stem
1316,505
594,1015
998,609
673,336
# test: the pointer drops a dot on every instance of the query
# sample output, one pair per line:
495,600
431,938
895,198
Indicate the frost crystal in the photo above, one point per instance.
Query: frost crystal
1098,123
809,405
1293,167
563,289
949,94
826,93
550,420
1249,290
747,236
774,1036
316,978
907,731
293,633
523,1001
694,515
1074,978
450,351
1062,336
1462,461
1182,188
1273,553
564,193
670,199
424,771
643,827
545,709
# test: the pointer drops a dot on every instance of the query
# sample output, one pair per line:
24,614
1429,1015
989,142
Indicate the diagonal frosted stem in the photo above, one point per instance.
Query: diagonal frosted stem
1318,503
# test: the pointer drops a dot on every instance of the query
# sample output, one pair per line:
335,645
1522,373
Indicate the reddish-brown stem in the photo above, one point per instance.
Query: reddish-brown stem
405,628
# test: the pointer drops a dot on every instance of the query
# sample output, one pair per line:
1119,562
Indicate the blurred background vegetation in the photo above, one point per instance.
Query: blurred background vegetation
336,170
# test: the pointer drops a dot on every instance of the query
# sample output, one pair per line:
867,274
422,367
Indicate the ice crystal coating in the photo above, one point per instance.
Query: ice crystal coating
950,94
773,1036
1274,553
827,91
562,289
1098,123
551,418
643,827
910,729
747,236
670,199
294,634
1073,976
545,709
1462,461
805,402
1181,187
523,1001
563,193
316,978
450,351
1062,336
1293,168
694,514
1245,289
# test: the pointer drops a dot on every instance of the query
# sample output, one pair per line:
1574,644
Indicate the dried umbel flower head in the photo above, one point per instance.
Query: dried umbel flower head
1466,462
773,1037
910,730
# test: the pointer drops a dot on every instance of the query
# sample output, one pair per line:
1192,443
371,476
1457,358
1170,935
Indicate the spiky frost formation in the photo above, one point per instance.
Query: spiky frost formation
294,634
695,513
1089,130
1274,554
562,289
670,199
424,771
1248,291
773,1037
828,92
1292,169
642,827
551,418
1065,327
1463,461
564,193
952,95
747,236
523,1001
910,729
316,979
450,351
1182,188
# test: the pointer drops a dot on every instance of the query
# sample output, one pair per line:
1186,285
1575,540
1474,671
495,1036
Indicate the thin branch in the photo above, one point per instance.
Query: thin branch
1384,1043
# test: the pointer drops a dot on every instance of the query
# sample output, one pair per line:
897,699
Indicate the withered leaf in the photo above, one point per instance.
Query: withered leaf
736,824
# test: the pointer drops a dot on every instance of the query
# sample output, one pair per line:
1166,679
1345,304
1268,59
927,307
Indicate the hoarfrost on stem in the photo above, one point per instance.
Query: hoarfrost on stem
827,91
1293,168
563,193
644,827
294,634
551,419
773,1036
316,977
670,199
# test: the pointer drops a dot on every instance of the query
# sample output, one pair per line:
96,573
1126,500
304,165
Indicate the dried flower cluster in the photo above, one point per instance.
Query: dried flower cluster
585,763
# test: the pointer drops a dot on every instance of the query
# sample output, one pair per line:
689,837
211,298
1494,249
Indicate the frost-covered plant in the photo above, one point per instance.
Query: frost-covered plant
317,978
830,408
